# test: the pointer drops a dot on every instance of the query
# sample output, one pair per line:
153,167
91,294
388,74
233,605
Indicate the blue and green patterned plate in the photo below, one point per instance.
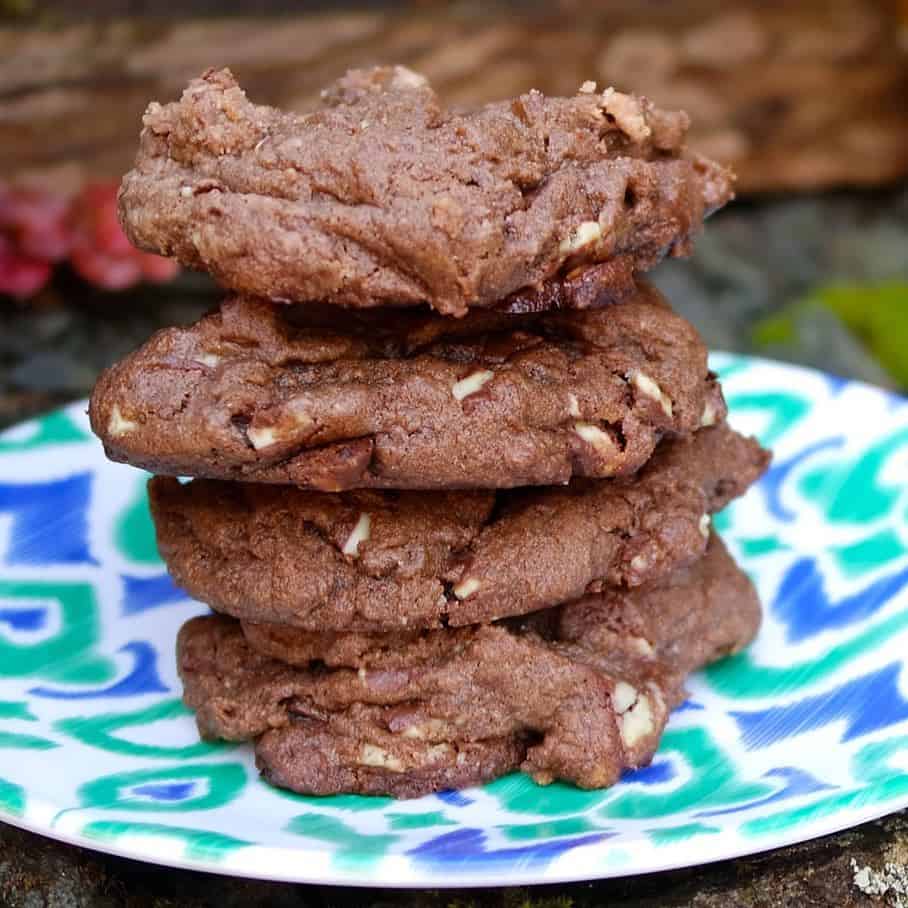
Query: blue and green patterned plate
804,734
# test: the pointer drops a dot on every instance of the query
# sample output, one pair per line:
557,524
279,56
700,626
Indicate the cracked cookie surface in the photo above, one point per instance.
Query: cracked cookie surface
378,561
580,692
384,197
337,400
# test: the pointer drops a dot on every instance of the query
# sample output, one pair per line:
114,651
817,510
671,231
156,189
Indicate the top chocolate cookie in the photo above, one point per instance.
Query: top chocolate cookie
384,197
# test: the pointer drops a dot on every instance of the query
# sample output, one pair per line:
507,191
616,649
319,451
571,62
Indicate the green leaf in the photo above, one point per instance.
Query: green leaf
776,329
878,315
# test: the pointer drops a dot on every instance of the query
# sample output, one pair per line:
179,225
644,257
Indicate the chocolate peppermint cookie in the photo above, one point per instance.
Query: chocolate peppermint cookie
579,693
380,561
333,400
383,196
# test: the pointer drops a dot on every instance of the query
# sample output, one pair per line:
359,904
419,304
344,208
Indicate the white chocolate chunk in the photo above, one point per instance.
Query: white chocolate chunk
370,755
438,751
404,77
186,191
429,728
582,235
573,405
709,415
594,436
119,425
643,646
301,417
466,587
624,696
639,563
645,385
294,417
588,88
637,722
263,437
208,359
704,526
628,114
471,384
360,534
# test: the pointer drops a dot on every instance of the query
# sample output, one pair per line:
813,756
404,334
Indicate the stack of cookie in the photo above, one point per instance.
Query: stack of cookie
442,545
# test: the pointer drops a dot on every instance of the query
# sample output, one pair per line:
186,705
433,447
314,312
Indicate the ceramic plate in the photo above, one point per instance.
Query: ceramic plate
804,734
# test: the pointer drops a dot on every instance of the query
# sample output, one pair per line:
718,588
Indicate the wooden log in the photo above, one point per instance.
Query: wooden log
793,95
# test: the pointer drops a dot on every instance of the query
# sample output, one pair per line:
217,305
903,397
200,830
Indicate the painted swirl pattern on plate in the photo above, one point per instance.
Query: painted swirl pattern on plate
805,733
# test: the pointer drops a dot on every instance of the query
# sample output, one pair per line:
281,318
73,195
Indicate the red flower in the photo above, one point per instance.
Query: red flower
101,253
39,229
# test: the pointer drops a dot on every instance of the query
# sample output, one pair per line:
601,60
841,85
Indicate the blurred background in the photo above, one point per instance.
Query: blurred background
808,101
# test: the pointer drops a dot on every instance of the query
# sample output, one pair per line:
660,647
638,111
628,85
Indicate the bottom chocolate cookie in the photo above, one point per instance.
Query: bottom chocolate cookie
579,692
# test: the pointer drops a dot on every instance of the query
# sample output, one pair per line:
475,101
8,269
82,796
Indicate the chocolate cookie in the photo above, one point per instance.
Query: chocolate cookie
384,197
337,400
379,561
579,693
